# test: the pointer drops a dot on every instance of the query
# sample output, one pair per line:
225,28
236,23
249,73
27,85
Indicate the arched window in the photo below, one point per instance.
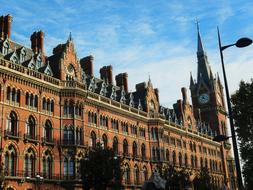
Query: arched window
12,124
135,150
49,132
143,151
10,161
31,100
8,93
180,159
36,101
115,145
52,106
201,162
136,175
93,139
30,163
192,161
44,104
30,133
196,161
71,109
127,174
27,99
153,153
69,167
167,155
145,173
105,141
47,165
125,147
65,109
174,158
186,160
48,105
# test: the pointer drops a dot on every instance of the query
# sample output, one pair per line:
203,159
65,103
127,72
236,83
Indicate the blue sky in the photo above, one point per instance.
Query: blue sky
156,37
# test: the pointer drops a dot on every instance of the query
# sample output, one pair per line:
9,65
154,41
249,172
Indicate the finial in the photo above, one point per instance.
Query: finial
70,37
197,23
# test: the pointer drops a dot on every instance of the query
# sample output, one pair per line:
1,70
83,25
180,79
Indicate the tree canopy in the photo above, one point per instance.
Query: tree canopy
243,116
101,168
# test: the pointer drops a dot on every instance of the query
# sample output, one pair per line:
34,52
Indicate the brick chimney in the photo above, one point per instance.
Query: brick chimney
184,94
106,74
37,42
121,81
87,65
5,26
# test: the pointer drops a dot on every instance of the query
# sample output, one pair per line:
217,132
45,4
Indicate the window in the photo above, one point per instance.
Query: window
10,161
186,160
47,165
167,155
12,124
93,139
115,145
124,127
68,135
48,132
69,167
125,147
180,159
136,175
30,163
135,150
142,132
174,158
105,141
115,124
127,174
143,151
30,133
145,173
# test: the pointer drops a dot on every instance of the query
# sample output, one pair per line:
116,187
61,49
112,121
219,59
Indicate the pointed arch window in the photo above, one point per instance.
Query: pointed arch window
143,151
47,165
127,174
145,173
12,124
180,159
136,175
93,139
174,158
48,131
10,161
30,133
135,150
115,145
125,147
30,163
105,141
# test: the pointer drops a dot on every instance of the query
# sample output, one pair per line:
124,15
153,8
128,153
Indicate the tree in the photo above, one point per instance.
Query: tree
176,179
243,116
203,180
101,168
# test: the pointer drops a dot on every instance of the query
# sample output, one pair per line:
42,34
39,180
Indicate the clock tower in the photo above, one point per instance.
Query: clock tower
207,93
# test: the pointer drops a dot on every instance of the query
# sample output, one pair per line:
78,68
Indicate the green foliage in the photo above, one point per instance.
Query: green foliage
176,179
203,180
243,115
101,168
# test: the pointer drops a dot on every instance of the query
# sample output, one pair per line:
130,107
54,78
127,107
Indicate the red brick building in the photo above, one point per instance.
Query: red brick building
53,109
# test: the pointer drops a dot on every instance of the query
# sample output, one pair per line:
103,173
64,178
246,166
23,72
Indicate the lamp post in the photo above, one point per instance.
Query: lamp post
243,42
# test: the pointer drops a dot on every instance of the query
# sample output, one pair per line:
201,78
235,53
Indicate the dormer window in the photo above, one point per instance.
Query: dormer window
70,72
15,60
5,48
22,55
38,61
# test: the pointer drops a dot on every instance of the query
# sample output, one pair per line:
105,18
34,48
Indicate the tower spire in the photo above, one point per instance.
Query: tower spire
200,45
203,65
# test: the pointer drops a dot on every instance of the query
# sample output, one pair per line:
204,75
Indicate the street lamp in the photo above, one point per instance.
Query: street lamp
243,42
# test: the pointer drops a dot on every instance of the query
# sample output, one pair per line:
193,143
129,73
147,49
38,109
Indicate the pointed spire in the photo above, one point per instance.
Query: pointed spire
200,45
191,80
70,37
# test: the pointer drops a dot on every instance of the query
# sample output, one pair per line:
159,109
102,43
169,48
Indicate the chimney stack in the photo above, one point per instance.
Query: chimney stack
106,74
121,81
37,42
184,94
5,26
87,65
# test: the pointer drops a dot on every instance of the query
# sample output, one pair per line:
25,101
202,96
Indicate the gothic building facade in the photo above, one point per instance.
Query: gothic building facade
53,108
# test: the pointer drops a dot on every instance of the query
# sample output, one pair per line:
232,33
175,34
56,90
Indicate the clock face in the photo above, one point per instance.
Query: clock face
203,98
